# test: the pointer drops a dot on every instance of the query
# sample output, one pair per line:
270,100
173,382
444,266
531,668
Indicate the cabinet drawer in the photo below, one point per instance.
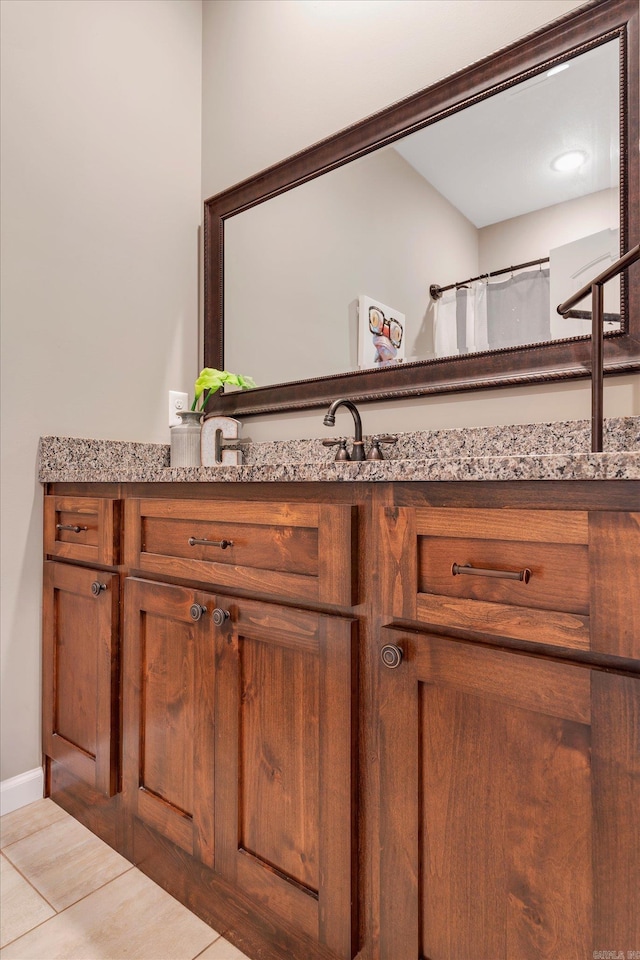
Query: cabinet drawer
81,528
536,575
301,551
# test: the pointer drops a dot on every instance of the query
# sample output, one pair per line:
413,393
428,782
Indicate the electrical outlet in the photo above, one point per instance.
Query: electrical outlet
177,401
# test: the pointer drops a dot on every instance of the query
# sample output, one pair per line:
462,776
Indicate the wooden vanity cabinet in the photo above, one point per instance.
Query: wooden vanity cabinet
240,728
509,772
286,766
509,805
169,681
364,754
80,673
240,720
81,641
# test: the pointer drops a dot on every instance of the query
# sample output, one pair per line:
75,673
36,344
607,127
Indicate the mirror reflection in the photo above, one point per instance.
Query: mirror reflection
431,233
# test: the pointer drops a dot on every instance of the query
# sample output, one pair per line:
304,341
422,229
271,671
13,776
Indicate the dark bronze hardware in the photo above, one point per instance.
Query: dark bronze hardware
357,451
219,616
376,453
97,588
197,611
342,453
436,291
73,527
522,575
223,544
596,288
391,655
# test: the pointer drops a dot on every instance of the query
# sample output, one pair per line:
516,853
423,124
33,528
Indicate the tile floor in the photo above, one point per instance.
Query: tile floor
65,894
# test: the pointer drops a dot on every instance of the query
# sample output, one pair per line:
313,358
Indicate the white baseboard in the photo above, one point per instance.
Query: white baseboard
18,791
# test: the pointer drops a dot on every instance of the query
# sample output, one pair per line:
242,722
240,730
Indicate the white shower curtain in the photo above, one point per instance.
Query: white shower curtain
445,328
461,321
488,315
477,338
518,310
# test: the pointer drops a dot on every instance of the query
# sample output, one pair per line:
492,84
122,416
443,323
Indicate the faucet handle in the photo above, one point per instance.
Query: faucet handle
342,453
375,453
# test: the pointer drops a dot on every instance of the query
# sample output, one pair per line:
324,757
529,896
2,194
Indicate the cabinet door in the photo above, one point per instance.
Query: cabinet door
286,765
168,714
510,820
80,672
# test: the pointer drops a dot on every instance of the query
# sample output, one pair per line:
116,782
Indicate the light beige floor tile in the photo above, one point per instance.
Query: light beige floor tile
130,918
222,950
27,820
65,862
22,907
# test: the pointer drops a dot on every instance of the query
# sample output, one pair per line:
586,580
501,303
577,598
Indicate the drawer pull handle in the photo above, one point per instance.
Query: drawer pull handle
391,655
197,611
97,588
223,544
219,616
523,575
73,527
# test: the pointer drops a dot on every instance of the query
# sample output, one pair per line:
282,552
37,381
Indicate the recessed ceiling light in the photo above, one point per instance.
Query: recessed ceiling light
558,69
569,161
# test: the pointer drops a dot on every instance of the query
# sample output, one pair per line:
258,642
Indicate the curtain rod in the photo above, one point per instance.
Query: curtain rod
436,291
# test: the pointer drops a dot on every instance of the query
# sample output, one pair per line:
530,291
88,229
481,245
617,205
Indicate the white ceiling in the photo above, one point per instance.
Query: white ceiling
493,160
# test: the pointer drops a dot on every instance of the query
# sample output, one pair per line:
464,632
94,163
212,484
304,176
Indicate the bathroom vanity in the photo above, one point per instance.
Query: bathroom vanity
388,711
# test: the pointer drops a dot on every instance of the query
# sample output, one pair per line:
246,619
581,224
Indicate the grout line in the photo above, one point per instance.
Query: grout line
58,913
27,880
83,897
91,892
30,930
215,940
42,922
33,833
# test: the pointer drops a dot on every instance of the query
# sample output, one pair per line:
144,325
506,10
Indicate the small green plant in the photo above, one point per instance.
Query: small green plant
211,380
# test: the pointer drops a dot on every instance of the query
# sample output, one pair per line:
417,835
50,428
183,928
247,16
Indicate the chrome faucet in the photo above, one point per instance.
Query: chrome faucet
357,452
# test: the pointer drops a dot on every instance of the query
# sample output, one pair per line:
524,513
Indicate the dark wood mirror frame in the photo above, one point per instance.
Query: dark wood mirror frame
580,30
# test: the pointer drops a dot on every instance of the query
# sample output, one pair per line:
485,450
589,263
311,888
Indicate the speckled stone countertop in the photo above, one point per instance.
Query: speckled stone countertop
543,451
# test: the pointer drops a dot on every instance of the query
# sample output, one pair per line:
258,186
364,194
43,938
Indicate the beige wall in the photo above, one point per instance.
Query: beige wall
532,235
301,70
101,150
374,227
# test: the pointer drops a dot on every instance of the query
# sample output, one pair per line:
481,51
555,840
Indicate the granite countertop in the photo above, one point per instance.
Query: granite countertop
547,451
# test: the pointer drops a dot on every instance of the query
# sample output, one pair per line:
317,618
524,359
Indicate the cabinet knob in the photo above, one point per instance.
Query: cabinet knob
219,616
197,611
391,655
97,588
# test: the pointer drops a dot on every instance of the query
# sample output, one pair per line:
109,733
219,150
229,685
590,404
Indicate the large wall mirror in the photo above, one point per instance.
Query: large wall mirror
425,249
